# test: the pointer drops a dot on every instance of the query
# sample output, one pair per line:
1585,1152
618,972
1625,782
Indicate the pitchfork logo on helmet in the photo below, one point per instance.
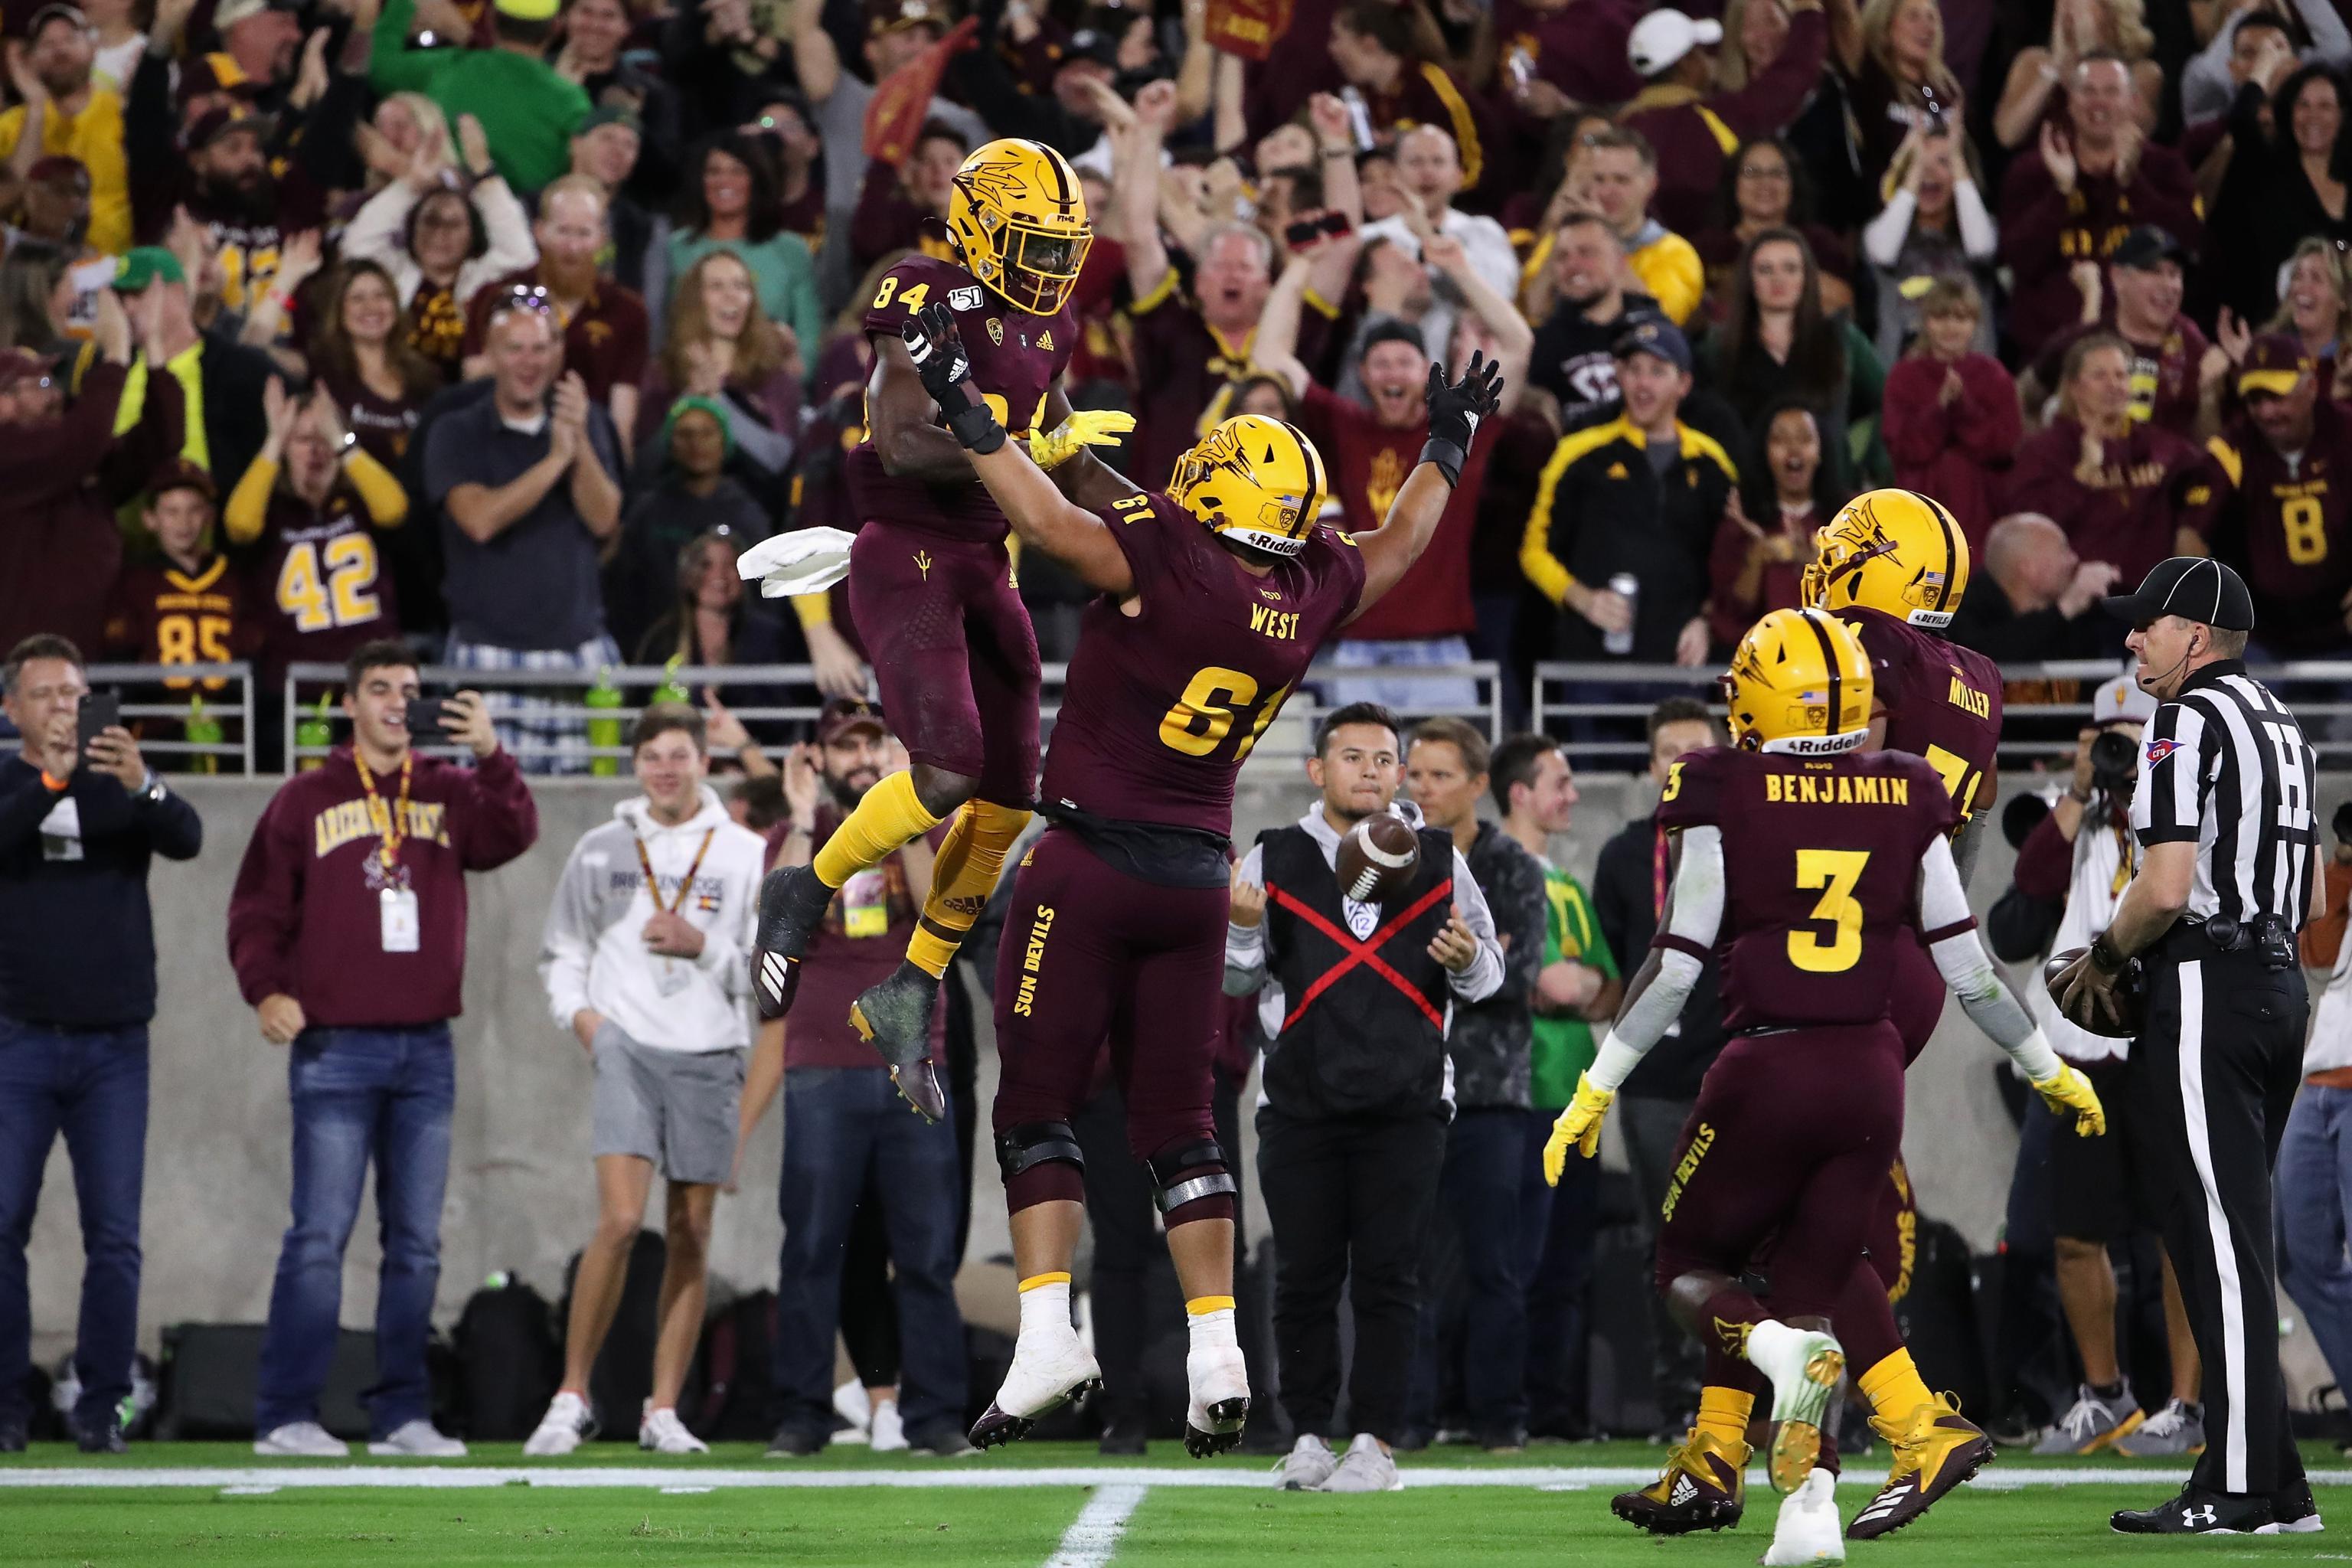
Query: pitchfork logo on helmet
1798,684
1016,212
1896,552
1255,480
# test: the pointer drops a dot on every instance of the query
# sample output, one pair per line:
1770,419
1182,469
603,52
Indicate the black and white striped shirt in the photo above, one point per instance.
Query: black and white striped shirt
2225,766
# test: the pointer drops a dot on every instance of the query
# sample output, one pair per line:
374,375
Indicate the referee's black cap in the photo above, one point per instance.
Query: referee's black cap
2195,588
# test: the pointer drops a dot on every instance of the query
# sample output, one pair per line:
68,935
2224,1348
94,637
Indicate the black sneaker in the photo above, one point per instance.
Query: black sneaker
941,1440
895,1017
2294,1511
103,1439
2196,1512
792,905
795,1443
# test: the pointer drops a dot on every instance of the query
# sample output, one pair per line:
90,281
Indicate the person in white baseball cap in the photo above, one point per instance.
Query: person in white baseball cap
1661,39
1693,127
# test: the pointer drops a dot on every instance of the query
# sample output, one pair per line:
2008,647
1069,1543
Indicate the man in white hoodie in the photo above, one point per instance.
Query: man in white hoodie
644,961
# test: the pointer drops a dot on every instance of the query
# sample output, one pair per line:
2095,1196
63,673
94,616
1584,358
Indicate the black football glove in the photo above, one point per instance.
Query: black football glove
937,352
1454,410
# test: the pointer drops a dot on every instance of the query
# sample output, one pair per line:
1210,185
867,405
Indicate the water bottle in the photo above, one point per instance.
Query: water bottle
673,689
203,729
604,734
314,734
1628,588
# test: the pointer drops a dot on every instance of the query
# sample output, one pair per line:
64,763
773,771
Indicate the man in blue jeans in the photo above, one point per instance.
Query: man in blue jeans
2314,1157
844,1123
347,930
79,824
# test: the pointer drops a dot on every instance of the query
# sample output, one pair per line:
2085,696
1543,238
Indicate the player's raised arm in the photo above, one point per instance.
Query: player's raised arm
1454,410
899,416
1045,518
1653,997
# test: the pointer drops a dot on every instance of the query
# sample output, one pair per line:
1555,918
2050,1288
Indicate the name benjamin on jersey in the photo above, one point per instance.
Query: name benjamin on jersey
1838,789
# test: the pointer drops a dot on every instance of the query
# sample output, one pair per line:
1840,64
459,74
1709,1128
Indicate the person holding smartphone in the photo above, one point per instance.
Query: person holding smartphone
81,817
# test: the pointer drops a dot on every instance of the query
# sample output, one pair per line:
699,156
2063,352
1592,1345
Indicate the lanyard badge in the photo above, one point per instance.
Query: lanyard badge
400,926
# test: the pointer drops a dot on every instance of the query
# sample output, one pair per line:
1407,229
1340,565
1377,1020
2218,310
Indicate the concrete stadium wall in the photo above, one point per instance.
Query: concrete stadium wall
520,1195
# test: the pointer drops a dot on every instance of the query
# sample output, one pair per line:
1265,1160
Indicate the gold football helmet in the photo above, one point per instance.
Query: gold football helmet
1896,552
1257,480
1017,214
1798,684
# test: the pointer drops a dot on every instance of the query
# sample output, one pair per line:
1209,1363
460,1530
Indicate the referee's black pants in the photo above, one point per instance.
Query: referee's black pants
2214,1074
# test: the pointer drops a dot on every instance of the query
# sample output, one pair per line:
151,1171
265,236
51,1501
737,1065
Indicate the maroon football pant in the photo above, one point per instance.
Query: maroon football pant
1790,1144
953,652
1091,953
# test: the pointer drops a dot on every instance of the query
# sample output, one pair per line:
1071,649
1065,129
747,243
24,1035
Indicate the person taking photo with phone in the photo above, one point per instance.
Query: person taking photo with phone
81,816
347,931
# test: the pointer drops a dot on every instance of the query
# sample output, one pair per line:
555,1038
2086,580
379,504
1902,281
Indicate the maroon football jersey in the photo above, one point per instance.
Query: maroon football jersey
319,579
1162,705
160,614
1942,701
1017,358
1820,871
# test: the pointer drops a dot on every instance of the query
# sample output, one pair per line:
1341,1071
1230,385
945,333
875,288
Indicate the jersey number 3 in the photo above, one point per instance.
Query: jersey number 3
1836,871
1204,716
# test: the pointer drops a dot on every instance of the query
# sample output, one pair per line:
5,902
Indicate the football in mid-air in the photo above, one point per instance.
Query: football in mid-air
2130,997
1378,857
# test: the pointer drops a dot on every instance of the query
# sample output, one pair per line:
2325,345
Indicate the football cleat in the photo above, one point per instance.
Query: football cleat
894,1018
1807,1529
1704,1487
1936,1448
1036,1384
1804,1366
1219,1399
792,904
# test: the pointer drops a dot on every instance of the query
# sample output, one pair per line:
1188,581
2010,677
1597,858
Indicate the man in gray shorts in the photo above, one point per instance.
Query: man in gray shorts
644,961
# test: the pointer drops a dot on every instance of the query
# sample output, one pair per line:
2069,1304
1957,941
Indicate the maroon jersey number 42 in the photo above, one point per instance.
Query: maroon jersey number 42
1820,875
1164,703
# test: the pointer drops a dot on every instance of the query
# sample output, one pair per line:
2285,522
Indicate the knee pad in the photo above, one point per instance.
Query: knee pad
1026,1144
1192,1172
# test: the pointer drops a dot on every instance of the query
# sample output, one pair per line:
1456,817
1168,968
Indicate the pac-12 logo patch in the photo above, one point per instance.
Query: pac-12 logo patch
2160,750
1363,919
964,299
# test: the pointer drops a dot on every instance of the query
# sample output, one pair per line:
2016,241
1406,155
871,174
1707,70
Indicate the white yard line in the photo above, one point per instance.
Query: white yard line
444,1477
1092,1539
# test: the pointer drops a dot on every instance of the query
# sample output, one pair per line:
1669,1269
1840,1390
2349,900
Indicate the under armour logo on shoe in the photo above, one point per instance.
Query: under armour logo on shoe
2207,1516
1684,1489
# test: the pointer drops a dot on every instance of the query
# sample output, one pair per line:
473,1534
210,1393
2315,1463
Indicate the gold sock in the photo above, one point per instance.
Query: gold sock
1894,1388
1723,1415
962,877
887,818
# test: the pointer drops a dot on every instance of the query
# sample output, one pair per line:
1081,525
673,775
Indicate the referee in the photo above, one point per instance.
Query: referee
2223,811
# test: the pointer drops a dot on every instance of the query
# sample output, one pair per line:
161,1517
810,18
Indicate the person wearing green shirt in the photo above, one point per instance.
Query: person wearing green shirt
529,111
1535,789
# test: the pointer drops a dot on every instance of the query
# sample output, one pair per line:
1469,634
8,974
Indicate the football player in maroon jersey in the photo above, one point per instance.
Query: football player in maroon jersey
930,584
1212,599
1806,861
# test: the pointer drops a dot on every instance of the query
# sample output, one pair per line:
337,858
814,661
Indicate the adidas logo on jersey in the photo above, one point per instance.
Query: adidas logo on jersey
1684,1489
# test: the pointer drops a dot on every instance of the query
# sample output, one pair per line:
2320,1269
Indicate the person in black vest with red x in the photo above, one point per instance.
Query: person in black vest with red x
1356,999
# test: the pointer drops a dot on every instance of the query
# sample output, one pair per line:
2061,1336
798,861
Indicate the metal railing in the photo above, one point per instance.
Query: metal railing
1597,710
1415,692
169,693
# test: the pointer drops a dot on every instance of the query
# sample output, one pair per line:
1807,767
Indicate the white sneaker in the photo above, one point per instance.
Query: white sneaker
1365,1468
1804,1366
889,1434
417,1440
567,1423
1039,1382
1306,1466
1807,1531
1219,1380
850,1404
663,1432
301,1441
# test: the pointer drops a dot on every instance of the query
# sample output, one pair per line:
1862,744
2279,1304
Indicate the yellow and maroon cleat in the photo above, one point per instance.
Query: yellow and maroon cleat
1936,1448
1704,1487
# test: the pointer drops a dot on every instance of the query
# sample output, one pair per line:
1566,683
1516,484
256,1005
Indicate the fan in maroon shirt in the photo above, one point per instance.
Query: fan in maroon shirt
1215,596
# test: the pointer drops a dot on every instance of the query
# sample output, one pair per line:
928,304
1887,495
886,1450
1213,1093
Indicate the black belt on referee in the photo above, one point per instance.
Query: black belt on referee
2267,936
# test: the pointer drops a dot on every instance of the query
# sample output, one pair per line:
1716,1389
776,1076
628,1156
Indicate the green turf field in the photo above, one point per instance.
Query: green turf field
1032,1505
